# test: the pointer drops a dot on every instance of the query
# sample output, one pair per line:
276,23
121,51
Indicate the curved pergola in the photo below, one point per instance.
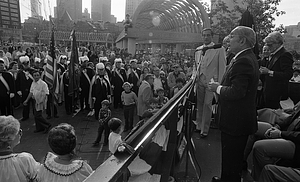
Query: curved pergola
186,16
80,36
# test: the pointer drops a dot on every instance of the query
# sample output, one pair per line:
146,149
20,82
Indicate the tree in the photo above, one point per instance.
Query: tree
263,11
223,20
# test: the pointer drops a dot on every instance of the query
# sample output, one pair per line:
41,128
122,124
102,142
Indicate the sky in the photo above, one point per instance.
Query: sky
291,7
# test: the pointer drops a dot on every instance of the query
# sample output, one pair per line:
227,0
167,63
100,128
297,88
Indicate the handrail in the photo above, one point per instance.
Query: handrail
115,165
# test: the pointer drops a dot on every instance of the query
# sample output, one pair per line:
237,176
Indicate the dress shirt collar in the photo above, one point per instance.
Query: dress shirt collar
244,50
273,53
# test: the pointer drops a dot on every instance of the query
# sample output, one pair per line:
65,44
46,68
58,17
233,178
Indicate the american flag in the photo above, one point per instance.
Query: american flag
50,73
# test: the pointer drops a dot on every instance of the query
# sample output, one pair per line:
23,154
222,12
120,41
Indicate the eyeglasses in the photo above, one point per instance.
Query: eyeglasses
270,44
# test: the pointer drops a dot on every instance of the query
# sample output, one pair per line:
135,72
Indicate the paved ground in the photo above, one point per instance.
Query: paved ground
207,150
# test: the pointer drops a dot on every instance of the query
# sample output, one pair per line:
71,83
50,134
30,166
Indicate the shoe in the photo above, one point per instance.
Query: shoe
37,131
47,129
216,179
56,116
48,117
24,119
203,136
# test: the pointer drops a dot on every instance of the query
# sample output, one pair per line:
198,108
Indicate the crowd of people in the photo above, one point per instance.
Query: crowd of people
232,76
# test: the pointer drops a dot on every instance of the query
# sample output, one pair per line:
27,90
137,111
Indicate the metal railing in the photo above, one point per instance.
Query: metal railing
116,165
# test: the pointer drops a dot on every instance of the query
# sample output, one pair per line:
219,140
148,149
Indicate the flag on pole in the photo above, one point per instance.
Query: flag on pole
73,85
50,73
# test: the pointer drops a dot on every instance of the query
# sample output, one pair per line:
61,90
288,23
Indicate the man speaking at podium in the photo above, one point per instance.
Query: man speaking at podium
211,61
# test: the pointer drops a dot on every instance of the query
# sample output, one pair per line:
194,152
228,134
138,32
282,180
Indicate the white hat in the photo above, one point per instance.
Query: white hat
100,66
24,59
118,60
133,60
84,58
36,59
103,59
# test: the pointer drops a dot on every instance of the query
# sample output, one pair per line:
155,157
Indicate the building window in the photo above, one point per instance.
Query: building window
13,1
14,19
5,26
3,4
6,22
5,17
14,10
13,6
14,15
4,8
5,13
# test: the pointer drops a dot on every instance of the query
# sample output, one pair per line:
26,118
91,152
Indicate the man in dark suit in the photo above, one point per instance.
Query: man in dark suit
278,71
286,146
100,86
134,76
236,97
117,80
7,90
85,81
23,84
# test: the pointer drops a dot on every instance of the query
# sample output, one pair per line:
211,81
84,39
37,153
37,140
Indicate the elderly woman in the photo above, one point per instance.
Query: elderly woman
63,165
14,167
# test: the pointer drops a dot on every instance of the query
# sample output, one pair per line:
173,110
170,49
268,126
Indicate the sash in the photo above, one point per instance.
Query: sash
135,73
116,71
4,82
87,77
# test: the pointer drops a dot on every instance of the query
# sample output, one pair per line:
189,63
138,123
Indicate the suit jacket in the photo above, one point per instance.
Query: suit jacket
10,82
237,107
117,80
276,86
145,96
213,63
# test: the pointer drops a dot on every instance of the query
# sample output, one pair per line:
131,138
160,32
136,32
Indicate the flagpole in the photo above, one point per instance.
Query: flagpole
54,71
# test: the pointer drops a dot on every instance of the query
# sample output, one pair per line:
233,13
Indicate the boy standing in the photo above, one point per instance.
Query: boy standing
104,116
129,100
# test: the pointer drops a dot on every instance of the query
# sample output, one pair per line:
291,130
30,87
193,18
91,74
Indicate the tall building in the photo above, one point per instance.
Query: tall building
101,10
35,8
10,20
86,15
73,7
131,6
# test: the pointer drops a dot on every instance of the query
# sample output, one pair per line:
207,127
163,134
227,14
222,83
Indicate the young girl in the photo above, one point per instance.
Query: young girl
104,116
129,100
63,165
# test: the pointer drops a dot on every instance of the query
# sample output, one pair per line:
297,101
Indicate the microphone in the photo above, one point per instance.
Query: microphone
204,49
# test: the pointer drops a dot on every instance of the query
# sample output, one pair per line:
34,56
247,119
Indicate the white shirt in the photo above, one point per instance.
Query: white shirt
157,83
114,140
40,91
18,167
51,171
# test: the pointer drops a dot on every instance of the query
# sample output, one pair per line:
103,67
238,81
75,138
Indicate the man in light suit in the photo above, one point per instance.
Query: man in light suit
212,64
236,98
145,95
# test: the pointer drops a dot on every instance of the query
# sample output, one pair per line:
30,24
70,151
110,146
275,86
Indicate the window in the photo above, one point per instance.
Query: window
14,19
15,23
13,6
4,8
5,17
13,1
6,22
5,26
14,15
5,13
4,4
14,10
